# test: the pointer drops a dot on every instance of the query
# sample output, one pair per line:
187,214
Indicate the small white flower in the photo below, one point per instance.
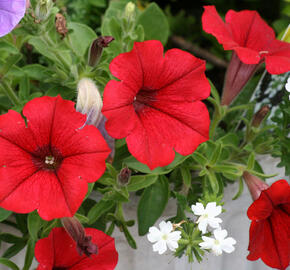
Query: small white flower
207,215
220,243
164,237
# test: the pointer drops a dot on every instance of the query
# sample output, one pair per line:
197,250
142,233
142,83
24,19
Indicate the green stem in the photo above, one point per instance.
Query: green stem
9,92
214,123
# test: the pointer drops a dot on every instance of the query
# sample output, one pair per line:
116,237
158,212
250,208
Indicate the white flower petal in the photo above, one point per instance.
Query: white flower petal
214,222
165,227
202,225
220,234
207,244
216,250
287,86
174,236
213,210
160,246
172,245
198,209
154,235
227,248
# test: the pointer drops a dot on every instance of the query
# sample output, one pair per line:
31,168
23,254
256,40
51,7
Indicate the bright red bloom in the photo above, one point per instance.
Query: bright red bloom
250,37
58,252
156,105
270,228
46,163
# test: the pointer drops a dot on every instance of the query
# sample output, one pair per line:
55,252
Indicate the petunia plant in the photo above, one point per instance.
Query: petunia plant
99,109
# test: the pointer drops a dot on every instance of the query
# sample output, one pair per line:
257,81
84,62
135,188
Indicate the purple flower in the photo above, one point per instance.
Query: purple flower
11,12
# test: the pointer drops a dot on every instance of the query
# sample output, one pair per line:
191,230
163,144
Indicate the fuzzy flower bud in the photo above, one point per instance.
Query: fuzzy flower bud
89,101
129,10
255,185
77,232
43,8
96,49
260,115
124,176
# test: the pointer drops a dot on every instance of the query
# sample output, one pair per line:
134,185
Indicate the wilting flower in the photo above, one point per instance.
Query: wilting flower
218,244
270,227
163,238
58,251
90,102
46,160
11,12
207,215
252,41
156,105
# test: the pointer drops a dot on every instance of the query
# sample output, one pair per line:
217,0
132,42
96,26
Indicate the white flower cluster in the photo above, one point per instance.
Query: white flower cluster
166,236
208,217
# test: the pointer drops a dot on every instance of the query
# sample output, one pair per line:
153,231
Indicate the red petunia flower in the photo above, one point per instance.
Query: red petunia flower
58,252
156,105
253,42
250,37
47,161
270,227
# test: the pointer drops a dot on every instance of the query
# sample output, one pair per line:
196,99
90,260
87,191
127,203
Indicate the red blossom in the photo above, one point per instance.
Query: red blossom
156,105
47,161
250,37
270,227
58,251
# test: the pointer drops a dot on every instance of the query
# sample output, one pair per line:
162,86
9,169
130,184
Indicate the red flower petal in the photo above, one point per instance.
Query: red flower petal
270,235
53,130
59,250
154,104
250,37
213,24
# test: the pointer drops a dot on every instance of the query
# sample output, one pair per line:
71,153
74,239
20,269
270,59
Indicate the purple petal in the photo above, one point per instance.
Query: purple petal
11,12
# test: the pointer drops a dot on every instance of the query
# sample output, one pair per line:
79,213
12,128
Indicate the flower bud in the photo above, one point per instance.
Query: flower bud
77,232
255,185
260,115
96,49
129,10
89,101
124,176
42,9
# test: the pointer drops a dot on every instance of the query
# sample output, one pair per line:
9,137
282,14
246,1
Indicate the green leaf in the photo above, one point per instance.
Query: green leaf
81,37
81,218
13,250
138,182
34,223
99,209
186,176
98,3
129,237
134,164
152,204
216,154
4,214
241,188
199,158
155,23
10,238
251,161
8,64
29,254
9,264
24,88
37,72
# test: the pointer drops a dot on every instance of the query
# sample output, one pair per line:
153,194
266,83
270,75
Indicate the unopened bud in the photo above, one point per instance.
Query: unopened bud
96,49
77,232
43,9
89,101
255,185
129,10
124,176
260,115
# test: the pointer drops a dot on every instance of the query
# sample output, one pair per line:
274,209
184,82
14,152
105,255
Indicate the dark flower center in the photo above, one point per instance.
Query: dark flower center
47,158
145,96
